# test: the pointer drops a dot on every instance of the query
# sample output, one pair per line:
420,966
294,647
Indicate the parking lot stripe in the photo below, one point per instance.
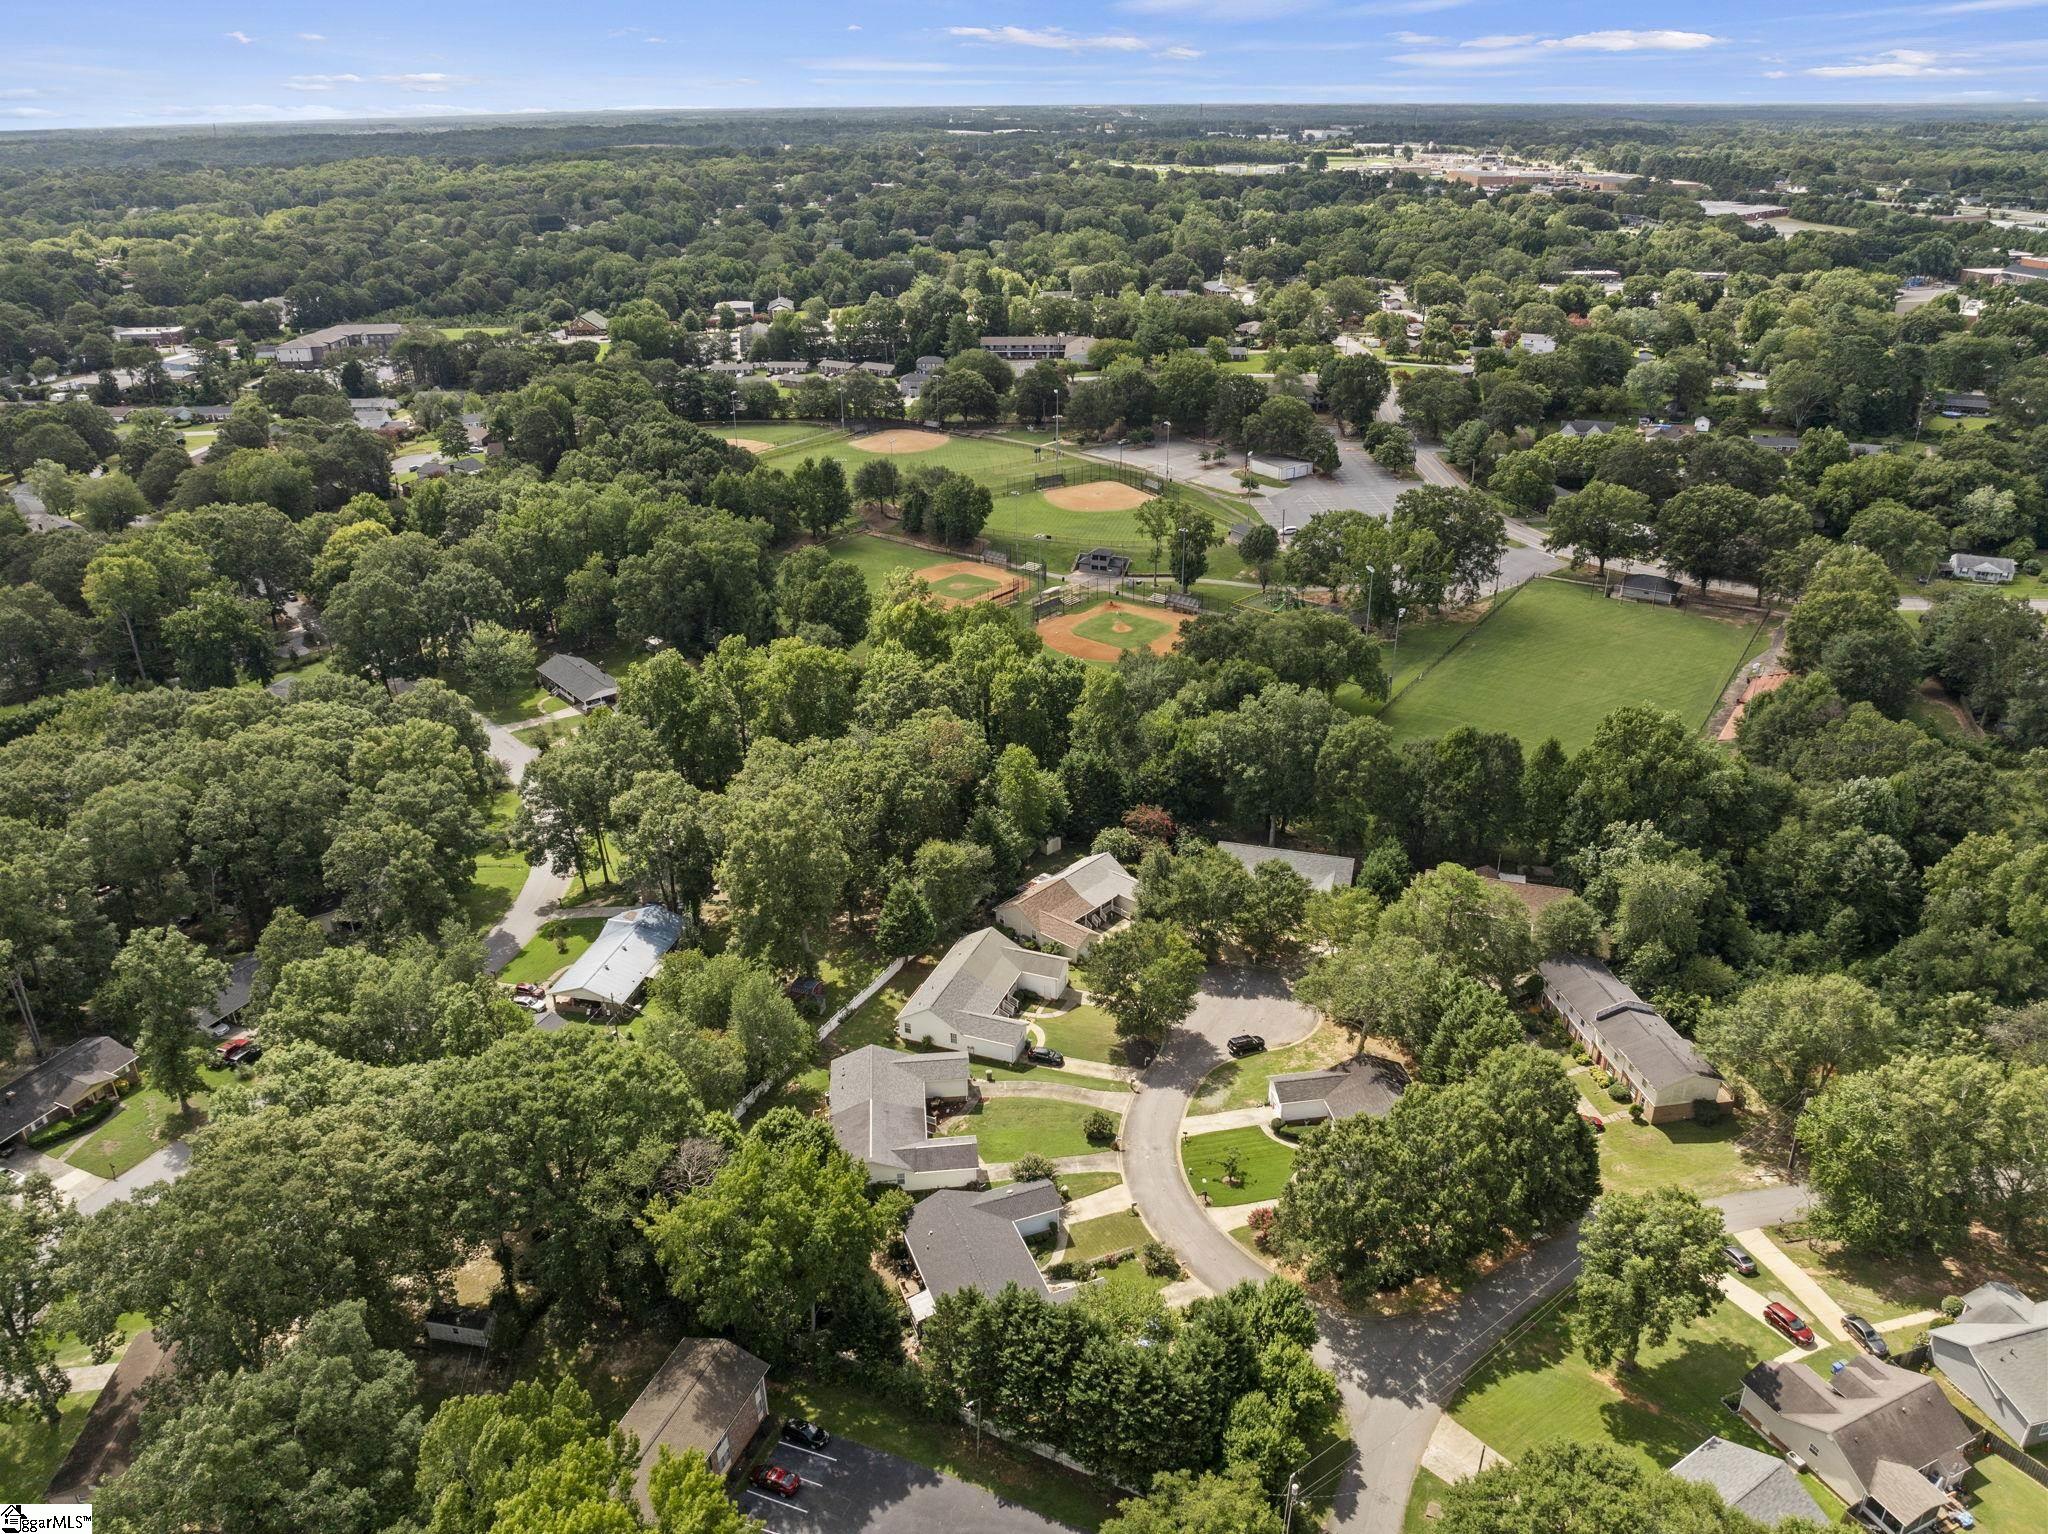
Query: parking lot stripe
814,1454
782,1502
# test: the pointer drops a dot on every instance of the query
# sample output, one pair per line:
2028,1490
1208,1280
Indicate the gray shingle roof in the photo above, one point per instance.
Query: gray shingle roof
2006,1335
695,1397
1365,1085
59,1080
1873,1411
878,1098
235,994
1760,1485
1322,870
970,988
1588,993
578,678
962,1240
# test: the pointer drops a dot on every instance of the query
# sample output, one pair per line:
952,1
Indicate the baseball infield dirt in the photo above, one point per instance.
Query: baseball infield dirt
752,444
1122,618
971,581
900,440
1097,495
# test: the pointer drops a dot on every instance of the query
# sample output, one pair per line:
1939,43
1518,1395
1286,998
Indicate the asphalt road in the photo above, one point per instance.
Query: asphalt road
1392,1372
852,1489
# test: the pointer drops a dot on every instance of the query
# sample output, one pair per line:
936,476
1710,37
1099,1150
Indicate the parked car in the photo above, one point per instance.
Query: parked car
531,1003
1043,1056
232,1046
1245,1044
784,1483
1865,1336
1783,1318
1599,1124
528,988
805,1435
248,1054
1740,1260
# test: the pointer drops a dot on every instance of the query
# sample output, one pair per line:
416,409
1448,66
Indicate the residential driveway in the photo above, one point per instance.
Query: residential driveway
166,1165
852,1489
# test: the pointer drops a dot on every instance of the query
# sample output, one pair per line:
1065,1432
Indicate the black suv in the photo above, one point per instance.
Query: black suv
805,1435
1040,1055
1245,1044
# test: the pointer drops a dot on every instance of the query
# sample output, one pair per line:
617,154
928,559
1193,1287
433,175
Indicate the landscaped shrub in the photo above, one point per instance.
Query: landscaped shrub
1616,1092
1031,1167
1160,1261
1707,1112
1952,1305
1261,1226
1099,1127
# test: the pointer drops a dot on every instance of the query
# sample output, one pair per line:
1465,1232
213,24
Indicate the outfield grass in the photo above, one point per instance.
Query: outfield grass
1558,658
780,433
1242,1083
1013,1127
31,1450
982,458
1122,1232
878,558
1267,1163
559,944
1084,1031
1063,1495
1421,644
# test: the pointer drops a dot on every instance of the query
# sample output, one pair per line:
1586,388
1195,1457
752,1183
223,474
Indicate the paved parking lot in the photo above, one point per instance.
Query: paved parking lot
852,1489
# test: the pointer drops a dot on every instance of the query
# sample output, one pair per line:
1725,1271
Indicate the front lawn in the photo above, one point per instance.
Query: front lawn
1881,1288
1050,1075
1012,1127
1078,1185
1051,1490
1556,658
1084,1031
559,944
541,736
144,1124
529,704
1266,1165
1123,1232
1537,1388
1429,1487
1242,1083
31,1450
1708,1160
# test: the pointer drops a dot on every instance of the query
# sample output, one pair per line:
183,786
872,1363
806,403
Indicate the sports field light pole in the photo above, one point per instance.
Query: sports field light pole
1372,579
1167,447
1395,660
735,412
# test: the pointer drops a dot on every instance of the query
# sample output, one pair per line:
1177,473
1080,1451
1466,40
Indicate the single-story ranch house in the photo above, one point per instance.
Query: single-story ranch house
1069,910
969,1000
1367,1085
880,1102
1885,1440
1628,1036
976,1241
710,1395
575,680
1324,871
624,956
74,1078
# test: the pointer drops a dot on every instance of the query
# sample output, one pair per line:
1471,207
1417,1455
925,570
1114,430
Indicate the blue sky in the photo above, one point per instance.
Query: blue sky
85,63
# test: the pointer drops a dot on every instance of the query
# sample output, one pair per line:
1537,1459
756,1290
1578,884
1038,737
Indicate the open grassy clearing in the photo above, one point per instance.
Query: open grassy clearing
1012,1127
1242,1083
1084,1031
781,433
559,944
1266,1164
1121,1232
1558,658
1421,644
982,458
1537,1388
1063,1495
1709,1160
878,558
1882,1288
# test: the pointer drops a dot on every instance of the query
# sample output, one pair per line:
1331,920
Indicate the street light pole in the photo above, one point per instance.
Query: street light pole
1168,447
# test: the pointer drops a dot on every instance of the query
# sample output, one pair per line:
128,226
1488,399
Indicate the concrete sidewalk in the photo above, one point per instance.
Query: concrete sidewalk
1087,1097
1807,1297
1230,1118
1109,1201
1455,1454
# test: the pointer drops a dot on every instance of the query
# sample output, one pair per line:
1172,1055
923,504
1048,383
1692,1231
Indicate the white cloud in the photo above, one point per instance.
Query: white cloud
320,82
1225,10
241,37
656,39
1503,50
1178,51
1776,74
312,37
1057,39
1404,7
427,80
1892,64
26,112
19,93
853,26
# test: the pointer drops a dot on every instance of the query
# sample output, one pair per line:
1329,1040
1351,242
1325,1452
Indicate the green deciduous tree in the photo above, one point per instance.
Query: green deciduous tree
1146,977
160,980
1648,1264
33,1224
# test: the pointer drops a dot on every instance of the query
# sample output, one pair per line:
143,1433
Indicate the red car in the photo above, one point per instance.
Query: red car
784,1483
231,1050
527,988
1784,1318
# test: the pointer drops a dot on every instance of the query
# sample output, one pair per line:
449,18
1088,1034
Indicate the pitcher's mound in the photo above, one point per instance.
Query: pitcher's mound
901,441
752,444
1097,495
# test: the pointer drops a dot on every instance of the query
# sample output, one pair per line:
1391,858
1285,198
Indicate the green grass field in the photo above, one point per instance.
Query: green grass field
962,587
1083,1031
1707,1159
1110,1233
1537,1388
877,558
1242,1083
781,433
983,458
1266,1162
1010,1127
144,1124
1558,658
1121,630
560,943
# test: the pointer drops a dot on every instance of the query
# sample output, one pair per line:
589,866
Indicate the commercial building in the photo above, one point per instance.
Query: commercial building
312,349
